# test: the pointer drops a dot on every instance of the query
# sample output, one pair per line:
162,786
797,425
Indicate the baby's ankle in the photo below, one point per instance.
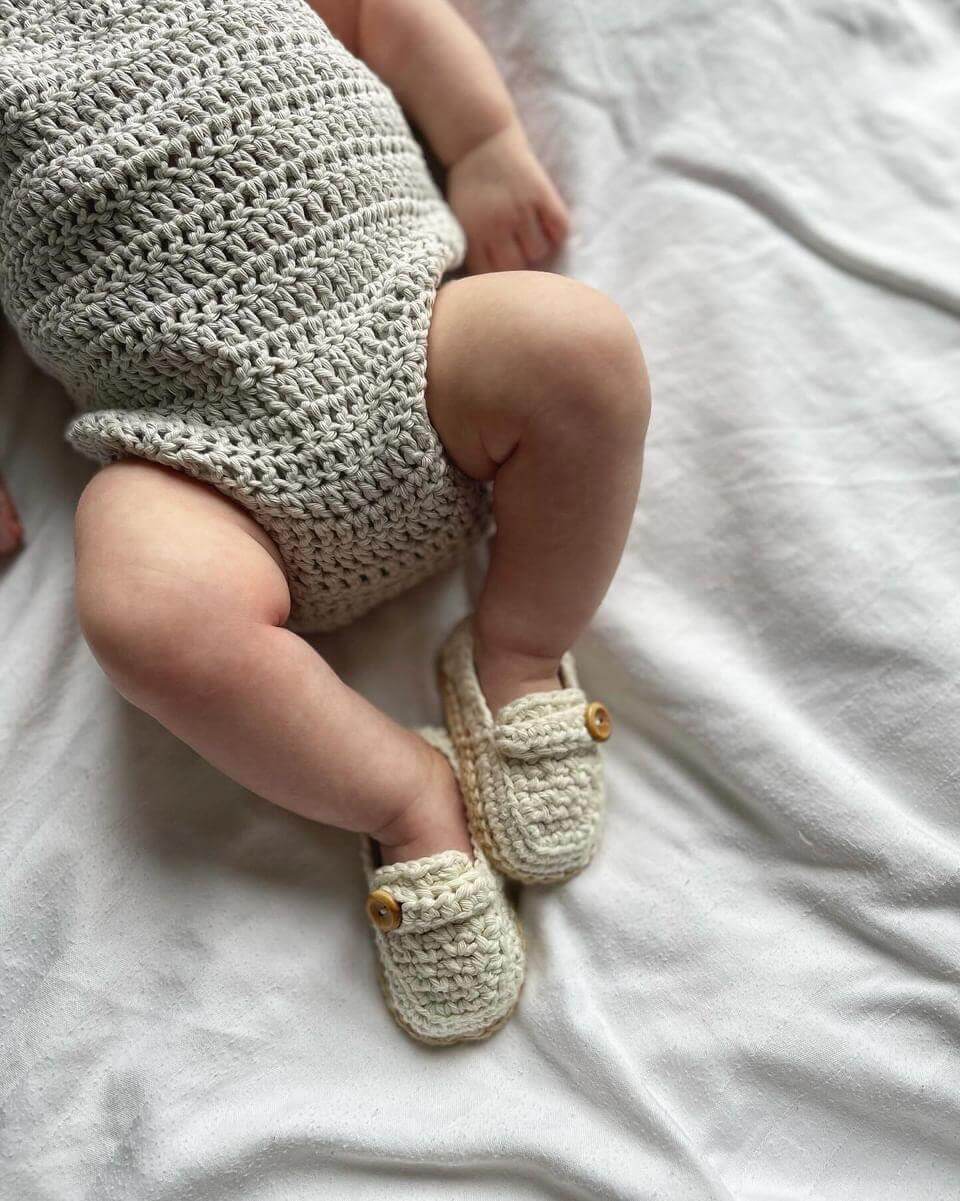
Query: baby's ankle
434,819
507,675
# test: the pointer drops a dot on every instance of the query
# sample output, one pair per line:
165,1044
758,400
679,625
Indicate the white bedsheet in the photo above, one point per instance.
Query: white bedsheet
753,993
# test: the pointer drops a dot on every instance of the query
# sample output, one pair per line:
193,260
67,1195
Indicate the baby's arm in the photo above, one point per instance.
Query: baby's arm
442,75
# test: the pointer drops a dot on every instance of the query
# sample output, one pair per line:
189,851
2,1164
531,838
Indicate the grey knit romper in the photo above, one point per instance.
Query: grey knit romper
218,232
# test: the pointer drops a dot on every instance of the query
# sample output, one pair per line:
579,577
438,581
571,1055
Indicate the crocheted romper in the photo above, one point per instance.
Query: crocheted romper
218,232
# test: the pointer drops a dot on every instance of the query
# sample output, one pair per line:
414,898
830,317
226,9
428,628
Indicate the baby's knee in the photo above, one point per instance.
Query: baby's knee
595,363
529,348
571,351
145,633
147,624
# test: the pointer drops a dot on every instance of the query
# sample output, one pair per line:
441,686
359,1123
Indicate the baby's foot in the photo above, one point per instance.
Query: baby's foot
505,677
530,769
435,819
447,935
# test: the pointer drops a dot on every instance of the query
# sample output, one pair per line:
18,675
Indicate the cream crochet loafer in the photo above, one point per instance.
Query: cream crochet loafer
532,778
449,943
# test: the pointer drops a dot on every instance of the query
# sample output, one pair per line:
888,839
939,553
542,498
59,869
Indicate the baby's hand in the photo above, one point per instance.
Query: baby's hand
512,214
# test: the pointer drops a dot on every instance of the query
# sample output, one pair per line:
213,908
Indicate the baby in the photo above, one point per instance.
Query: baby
218,231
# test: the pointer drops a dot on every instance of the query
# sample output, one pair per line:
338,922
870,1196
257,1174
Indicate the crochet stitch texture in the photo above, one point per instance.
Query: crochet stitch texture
218,232
453,968
531,774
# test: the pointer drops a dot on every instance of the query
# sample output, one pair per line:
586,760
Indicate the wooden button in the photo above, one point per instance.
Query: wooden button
383,910
599,722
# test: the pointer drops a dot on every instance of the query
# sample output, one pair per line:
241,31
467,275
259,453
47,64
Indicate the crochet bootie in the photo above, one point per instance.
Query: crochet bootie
449,943
531,777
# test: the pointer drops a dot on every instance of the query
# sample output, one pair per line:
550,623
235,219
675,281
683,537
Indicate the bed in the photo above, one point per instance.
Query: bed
753,993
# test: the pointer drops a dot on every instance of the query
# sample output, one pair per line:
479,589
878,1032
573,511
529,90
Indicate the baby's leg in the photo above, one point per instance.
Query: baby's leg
182,599
538,383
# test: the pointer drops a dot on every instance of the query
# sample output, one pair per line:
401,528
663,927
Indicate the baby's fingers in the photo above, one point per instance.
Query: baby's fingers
506,254
477,262
532,239
554,218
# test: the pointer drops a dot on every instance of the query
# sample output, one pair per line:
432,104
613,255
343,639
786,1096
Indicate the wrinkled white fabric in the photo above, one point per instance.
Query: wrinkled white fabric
753,992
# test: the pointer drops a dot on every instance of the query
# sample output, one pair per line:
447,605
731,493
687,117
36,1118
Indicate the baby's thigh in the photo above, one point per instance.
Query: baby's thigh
164,562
